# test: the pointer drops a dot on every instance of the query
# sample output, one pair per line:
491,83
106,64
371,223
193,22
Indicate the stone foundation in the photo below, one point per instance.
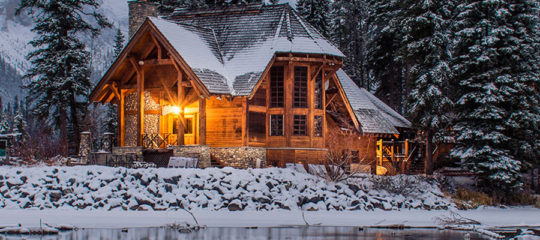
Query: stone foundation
127,150
240,157
237,157
201,152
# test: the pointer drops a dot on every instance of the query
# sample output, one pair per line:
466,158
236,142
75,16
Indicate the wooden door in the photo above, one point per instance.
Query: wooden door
190,129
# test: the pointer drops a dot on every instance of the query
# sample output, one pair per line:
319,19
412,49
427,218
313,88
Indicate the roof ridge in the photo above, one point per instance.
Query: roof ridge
278,29
218,47
289,29
301,21
216,10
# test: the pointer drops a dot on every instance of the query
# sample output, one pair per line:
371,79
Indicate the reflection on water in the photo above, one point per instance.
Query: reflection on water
252,234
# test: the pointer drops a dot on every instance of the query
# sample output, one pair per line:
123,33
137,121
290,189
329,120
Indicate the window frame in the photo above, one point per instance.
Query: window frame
305,125
270,133
302,91
271,89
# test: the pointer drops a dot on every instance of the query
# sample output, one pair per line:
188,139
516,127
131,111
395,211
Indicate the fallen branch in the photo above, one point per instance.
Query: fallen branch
455,220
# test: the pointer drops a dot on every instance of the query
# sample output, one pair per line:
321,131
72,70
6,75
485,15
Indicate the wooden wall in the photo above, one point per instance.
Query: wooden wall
224,121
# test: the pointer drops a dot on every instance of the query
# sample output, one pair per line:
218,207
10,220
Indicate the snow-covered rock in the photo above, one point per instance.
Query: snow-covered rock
97,187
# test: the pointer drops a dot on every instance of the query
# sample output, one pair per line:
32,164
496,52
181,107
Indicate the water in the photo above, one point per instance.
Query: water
258,233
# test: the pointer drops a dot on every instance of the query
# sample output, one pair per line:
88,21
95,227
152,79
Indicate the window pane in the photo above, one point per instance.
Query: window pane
300,125
318,126
276,125
300,87
188,128
257,126
276,86
318,92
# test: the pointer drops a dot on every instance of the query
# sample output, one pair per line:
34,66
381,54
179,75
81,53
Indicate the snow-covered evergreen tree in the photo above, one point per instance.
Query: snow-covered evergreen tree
118,43
425,50
317,13
4,122
59,75
487,86
20,126
523,64
274,1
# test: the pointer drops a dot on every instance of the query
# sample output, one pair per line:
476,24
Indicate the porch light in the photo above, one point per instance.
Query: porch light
176,110
171,109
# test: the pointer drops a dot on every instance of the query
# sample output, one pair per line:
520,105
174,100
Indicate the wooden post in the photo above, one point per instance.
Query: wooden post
406,156
202,121
121,121
392,154
245,114
288,117
180,102
140,112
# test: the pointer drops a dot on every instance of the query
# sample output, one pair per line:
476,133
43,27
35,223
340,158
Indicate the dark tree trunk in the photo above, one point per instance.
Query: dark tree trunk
429,155
75,122
63,130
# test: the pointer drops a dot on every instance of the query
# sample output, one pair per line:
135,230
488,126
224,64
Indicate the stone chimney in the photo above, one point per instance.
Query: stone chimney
138,11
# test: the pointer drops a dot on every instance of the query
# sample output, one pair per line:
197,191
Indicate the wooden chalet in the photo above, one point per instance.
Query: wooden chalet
247,86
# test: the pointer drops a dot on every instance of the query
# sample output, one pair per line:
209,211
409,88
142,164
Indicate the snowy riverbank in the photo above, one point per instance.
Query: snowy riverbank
105,188
488,217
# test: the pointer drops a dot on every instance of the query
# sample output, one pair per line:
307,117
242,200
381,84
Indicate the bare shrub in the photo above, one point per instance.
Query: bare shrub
337,162
469,199
400,184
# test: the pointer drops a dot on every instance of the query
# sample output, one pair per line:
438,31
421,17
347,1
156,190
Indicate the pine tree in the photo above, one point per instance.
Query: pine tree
485,50
317,13
524,66
349,31
110,122
59,75
20,126
4,122
383,61
274,1
118,43
425,50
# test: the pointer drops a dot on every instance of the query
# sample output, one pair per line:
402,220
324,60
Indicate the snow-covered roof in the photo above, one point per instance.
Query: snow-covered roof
229,52
373,114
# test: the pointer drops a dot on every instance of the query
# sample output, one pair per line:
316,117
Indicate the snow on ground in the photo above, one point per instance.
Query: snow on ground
489,217
103,197
97,187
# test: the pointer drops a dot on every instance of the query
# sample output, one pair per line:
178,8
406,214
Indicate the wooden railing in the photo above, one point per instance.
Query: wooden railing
157,141
394,155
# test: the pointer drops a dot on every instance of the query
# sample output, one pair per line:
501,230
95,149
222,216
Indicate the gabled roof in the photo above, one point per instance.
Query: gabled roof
229,49
373,115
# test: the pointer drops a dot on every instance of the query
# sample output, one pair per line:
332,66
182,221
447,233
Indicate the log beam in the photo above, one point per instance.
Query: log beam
157,62
202,121
180,100
157,45
140,98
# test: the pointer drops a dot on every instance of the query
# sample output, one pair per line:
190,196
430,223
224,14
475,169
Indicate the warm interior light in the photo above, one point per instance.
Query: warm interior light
175,110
